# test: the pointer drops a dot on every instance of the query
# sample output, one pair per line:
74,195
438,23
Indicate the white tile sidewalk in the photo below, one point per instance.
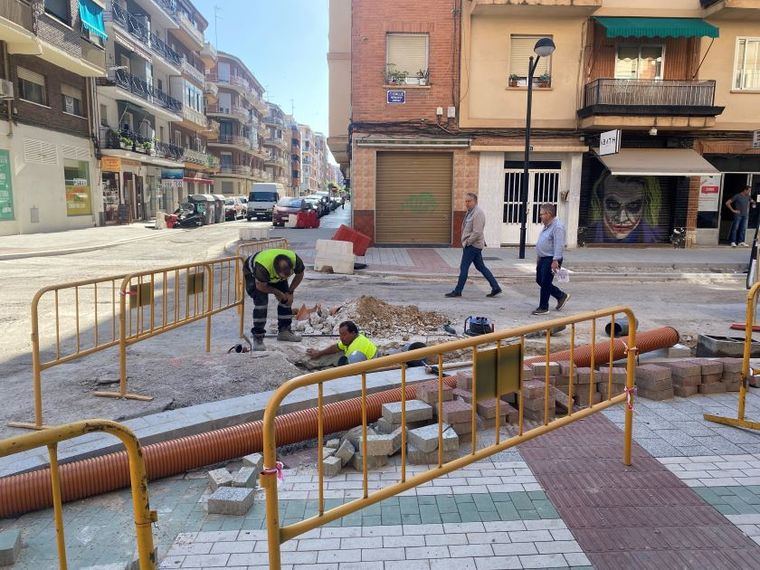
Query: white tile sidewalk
716,470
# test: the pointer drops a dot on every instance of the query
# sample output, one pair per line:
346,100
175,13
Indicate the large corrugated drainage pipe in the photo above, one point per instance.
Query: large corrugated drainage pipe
89,477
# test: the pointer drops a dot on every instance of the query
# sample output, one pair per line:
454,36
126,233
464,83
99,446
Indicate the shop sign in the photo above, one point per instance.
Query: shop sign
6,192
172,173
394,97
709,193
609,142
110,164
78,202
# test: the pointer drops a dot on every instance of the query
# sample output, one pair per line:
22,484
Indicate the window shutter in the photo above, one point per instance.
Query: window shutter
520,53
70,91
31,76
407,52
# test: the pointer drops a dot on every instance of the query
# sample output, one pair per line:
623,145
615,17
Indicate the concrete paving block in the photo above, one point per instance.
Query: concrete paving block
345,452
428,392
655,383
487,408
333,443
619,374
538,415
691,381
533,389
245,477
219,478
709,365
510,411
383,426
336,247
460,394
731,365
231,501
712,388
328,452
617,389
652,373
679,351
685,391
254,460
416,457
380,444
564,368
463,428
491,423
682,368
416,410
425,438
456,412
331,466
10,546
733,386
354,435
731,376
581,397
583,375
711,378
373,461
464,380
657,395
539,369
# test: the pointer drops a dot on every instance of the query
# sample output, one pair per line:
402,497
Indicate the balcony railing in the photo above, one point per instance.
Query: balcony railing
187,25
201,158
210,88
190,114
235,140
635,93
136,142
160,48
129,22
240,113
235,169
18,12
209,52
143,90
272,120
193,71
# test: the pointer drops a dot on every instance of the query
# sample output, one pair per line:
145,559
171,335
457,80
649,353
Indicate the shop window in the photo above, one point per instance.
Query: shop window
406,58
521,50
59,9
72,99
639,62
747,67
76,175
31,86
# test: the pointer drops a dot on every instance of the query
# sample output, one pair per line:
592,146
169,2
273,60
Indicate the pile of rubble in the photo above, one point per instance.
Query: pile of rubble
233,493
373,316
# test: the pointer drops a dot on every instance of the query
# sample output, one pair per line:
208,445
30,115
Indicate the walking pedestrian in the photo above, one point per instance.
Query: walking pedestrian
473,243
549,251
739,205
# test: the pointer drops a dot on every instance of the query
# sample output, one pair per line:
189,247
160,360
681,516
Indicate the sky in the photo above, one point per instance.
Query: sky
284,43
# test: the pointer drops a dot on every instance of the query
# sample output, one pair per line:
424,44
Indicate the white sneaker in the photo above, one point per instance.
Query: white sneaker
744,244
733,244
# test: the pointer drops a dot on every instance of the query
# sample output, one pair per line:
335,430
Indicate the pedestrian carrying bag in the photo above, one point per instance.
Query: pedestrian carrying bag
563,275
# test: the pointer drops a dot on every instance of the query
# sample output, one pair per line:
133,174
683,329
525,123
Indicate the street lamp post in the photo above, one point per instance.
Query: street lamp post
543,48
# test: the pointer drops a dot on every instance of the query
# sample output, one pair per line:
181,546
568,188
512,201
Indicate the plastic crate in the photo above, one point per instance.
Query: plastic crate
361,242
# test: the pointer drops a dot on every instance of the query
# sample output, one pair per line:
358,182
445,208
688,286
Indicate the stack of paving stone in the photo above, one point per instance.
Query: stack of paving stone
654,382
585,388
732,374
712,373
619,376
533,400
686,375
485,409
233,493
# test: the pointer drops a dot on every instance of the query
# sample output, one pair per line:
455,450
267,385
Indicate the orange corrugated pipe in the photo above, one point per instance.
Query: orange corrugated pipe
664,337
89,477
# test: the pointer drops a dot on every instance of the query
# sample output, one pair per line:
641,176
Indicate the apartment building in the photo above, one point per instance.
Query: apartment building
235,100
51,51
321,160
309,183
295,156
277,146
438,104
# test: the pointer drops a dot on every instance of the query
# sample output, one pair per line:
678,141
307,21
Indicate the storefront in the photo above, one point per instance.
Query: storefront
110,168
638,196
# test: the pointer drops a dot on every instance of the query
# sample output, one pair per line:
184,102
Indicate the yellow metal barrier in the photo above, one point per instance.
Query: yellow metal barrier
86,316
250,247
739,420
497,370
50,437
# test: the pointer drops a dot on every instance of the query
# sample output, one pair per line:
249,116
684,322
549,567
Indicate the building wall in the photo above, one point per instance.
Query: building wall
339,65
37,158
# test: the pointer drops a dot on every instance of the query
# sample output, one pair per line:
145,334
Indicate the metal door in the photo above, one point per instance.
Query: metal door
543,188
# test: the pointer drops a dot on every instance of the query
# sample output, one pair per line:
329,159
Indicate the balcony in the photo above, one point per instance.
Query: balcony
536,7
193,72
209,54
234,170
71,49
201,158
211,91
649,103
135,27
273,120
236,141
142,92
162,49
135,142
188,33
236,112
732,9
194,119
16,26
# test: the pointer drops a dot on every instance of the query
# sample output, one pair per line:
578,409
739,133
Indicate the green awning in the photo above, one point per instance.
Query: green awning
657,27
92,18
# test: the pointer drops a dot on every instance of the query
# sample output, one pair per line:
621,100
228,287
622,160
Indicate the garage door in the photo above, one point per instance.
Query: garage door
413,198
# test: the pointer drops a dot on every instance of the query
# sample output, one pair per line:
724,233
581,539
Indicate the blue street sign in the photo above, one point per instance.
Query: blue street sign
396,97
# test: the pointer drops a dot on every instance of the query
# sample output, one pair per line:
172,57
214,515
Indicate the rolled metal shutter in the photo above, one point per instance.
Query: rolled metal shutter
413,198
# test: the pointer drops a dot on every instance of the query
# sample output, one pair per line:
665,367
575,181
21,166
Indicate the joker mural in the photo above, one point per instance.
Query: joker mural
627,209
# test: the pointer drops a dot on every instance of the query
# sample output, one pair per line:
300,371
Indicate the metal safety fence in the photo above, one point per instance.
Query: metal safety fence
143,515
73,320
497,368
740,420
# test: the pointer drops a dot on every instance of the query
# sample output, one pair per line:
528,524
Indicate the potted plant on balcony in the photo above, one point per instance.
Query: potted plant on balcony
147,147
125,142
514,80
393,76
422,76
544,81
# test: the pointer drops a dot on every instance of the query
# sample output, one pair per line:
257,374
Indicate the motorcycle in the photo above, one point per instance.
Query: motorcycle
188,216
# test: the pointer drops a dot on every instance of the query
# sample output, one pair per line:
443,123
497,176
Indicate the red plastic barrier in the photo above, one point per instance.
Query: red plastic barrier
361,242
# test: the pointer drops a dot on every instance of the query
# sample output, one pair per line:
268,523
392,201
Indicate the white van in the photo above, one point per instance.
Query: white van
261,200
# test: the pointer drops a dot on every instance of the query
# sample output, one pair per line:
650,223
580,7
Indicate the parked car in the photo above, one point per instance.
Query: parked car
262,199
307,216
317,204
233,209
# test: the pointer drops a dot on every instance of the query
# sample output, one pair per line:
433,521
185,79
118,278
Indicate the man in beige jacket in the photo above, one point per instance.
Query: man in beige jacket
473,243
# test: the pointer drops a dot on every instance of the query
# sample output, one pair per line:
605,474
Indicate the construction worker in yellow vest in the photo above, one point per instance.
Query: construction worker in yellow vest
268,273
355,346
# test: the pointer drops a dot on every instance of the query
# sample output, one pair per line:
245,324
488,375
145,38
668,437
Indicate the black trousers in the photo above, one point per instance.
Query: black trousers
261,305
545,278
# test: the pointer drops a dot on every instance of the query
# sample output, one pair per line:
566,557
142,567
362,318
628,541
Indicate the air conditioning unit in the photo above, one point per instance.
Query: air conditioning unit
6,89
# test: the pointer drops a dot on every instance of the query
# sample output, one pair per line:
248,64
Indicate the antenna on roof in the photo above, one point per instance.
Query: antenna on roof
217,9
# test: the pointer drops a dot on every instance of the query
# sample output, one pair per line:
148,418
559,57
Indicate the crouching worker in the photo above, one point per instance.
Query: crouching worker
267,273
355,346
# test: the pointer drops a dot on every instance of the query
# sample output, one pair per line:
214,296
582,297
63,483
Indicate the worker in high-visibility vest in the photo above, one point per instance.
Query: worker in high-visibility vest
268,273
355,346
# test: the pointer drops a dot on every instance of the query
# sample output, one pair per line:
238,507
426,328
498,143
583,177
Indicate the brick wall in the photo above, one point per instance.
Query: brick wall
52,116
372,20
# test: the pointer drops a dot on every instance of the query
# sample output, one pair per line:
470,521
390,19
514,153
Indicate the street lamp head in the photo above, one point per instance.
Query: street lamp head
544,47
